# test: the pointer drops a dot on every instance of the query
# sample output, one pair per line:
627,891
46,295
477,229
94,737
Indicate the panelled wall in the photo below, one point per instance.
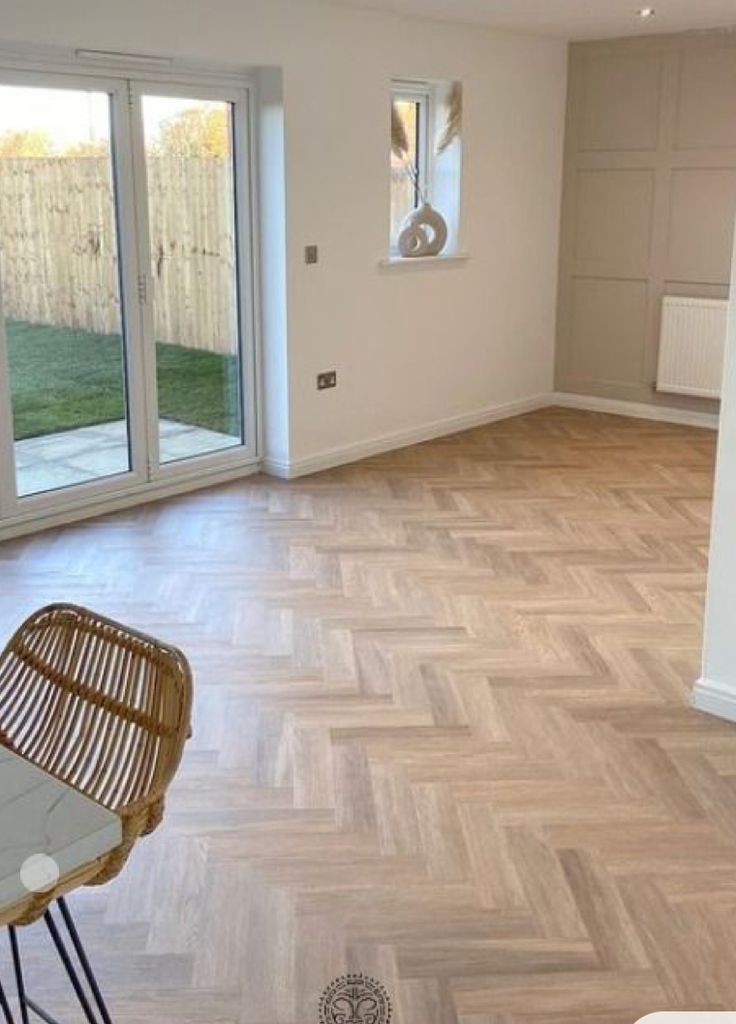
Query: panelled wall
649,203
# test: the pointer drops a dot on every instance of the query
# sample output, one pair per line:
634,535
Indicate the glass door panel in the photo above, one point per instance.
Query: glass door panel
61,293
191,203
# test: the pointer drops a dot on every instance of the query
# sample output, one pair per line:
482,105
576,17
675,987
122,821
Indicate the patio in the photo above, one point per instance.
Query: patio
76,456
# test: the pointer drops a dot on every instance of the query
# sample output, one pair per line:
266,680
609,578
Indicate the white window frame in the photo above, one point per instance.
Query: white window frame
423,94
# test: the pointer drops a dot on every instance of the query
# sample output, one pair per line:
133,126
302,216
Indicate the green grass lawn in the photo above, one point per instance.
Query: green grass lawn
63,378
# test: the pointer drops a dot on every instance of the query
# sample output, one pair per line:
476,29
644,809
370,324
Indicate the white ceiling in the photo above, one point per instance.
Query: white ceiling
571,19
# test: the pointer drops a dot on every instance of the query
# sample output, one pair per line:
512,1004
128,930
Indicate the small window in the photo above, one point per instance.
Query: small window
409,172
426,161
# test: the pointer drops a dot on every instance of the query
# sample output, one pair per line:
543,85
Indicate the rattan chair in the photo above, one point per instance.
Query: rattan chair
104,709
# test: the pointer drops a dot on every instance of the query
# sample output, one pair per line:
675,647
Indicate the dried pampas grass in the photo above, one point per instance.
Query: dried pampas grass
454,124
399,138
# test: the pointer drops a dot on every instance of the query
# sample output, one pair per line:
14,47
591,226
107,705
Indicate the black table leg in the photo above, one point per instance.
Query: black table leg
84,960
69,967
5,1006
27,1003
18,968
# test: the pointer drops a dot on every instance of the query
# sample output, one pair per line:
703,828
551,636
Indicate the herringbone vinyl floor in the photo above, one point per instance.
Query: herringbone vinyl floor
442,736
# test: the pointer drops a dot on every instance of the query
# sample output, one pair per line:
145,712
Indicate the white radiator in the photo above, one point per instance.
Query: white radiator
692,346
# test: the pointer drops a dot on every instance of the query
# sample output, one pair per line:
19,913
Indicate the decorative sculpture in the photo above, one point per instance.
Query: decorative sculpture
423,233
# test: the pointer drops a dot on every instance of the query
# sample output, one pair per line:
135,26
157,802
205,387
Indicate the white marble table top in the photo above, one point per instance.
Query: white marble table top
41,816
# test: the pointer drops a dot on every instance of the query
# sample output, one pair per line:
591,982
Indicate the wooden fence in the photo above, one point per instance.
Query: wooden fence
59,257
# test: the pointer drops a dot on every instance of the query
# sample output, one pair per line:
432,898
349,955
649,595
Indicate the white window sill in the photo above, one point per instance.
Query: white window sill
423,261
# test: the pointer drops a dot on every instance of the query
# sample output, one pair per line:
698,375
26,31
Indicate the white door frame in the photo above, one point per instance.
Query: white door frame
122,197
245,282
7,446
125,88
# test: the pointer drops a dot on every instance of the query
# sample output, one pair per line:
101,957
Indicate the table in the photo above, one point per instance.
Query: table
40,815
42,818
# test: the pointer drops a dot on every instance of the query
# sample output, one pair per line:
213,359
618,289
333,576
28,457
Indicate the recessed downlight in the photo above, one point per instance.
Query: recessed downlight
646,12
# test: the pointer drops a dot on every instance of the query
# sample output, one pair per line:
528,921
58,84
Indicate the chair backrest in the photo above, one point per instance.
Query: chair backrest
97,705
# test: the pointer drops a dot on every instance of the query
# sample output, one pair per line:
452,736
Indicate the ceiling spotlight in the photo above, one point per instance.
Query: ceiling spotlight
646,12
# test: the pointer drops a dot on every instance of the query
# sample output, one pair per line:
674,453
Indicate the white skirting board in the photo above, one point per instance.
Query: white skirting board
637,410
715,699
403,438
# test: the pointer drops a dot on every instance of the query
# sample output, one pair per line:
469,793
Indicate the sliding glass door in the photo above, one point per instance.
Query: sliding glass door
66,346
189,143
126,334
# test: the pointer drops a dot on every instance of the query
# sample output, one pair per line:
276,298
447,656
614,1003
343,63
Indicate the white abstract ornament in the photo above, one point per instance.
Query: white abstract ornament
423,233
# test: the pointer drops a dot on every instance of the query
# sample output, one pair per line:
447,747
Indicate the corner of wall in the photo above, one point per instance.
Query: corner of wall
715,692
715,699
273,347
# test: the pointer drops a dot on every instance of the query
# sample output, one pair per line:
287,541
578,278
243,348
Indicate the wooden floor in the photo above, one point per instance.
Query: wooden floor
442,736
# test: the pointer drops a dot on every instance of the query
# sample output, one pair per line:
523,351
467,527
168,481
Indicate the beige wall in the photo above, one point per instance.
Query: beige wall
649,203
